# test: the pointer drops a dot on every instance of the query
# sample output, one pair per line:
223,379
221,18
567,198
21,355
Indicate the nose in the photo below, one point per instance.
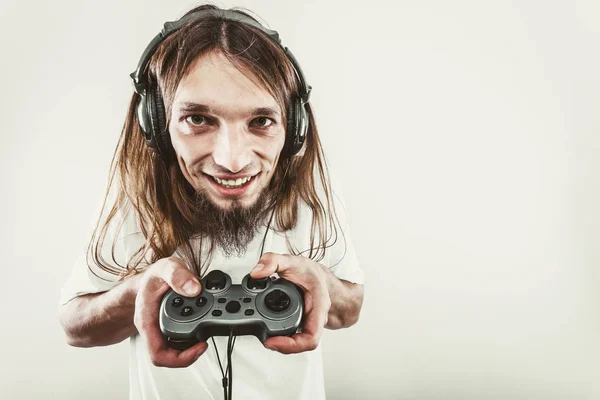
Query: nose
232,148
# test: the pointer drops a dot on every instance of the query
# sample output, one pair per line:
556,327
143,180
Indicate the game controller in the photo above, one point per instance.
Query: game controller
260,307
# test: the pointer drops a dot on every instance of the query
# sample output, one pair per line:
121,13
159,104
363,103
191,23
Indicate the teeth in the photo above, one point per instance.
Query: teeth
231,183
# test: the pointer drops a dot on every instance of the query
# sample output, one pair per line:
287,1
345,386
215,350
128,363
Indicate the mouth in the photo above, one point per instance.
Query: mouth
230,187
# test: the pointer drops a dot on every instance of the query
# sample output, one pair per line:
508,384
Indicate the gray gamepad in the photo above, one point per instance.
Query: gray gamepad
259,307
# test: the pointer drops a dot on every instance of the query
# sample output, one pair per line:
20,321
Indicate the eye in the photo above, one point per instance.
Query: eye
196,120
263,122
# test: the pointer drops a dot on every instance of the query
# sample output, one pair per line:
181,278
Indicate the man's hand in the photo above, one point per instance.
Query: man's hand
311,278
164,274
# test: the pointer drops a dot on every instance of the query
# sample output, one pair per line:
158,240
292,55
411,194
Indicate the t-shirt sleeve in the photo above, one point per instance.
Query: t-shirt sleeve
86,279
341,256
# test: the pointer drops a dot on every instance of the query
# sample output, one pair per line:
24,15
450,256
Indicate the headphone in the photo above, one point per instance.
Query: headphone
150,108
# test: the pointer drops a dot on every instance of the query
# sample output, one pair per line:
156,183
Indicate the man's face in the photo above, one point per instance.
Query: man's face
225,126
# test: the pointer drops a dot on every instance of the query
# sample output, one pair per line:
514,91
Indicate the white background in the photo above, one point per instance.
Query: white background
465,135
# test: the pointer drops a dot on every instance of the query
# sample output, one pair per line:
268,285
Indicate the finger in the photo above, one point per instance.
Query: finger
286,265
269,264
177,275
298,343
308,339
146,321
163,356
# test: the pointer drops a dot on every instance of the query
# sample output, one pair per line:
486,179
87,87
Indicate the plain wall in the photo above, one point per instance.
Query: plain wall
466,138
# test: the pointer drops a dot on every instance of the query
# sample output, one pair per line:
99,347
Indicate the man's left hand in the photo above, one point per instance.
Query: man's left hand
312,280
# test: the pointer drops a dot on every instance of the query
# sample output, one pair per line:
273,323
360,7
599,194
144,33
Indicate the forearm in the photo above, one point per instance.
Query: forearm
101,319
346,301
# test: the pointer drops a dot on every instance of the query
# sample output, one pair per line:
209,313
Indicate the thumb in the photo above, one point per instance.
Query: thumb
177,275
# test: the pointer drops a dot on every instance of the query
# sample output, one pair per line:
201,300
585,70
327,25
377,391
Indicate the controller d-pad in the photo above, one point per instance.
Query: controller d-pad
277,300
215,280
257,283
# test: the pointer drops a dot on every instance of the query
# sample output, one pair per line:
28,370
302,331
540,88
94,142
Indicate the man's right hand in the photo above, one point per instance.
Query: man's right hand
158,278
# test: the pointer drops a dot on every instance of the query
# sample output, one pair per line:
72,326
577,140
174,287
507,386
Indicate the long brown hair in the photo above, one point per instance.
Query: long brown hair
157,190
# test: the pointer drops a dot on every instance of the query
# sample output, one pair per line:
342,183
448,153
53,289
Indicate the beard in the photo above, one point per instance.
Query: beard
233,229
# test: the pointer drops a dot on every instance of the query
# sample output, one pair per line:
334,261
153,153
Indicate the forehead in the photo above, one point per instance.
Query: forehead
212,79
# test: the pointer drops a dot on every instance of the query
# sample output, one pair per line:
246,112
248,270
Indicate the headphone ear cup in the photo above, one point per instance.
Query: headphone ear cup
158,122
144,120
297,125
301,124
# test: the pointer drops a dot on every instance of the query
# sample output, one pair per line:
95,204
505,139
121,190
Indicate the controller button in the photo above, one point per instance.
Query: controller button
233,306
215,280
217,313
249,312
277,300
247,299
185,311
255,284
201,301
177,302
222,300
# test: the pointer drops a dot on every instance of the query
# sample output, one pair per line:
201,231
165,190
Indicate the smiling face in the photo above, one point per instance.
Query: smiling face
227,133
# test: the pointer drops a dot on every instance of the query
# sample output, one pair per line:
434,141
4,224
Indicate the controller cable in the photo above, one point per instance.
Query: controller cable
228,375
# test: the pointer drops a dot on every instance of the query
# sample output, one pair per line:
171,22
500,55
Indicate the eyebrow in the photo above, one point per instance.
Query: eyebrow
196,107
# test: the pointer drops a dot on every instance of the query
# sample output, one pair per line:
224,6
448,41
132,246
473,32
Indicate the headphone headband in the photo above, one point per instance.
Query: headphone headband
140,80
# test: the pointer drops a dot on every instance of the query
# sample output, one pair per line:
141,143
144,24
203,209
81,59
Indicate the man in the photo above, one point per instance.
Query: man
233,170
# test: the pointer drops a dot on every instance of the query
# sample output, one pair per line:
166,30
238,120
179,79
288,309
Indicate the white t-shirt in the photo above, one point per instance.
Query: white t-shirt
258,373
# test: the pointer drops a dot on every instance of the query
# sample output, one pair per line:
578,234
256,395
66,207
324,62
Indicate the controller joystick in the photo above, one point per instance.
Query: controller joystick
277,300
260,307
